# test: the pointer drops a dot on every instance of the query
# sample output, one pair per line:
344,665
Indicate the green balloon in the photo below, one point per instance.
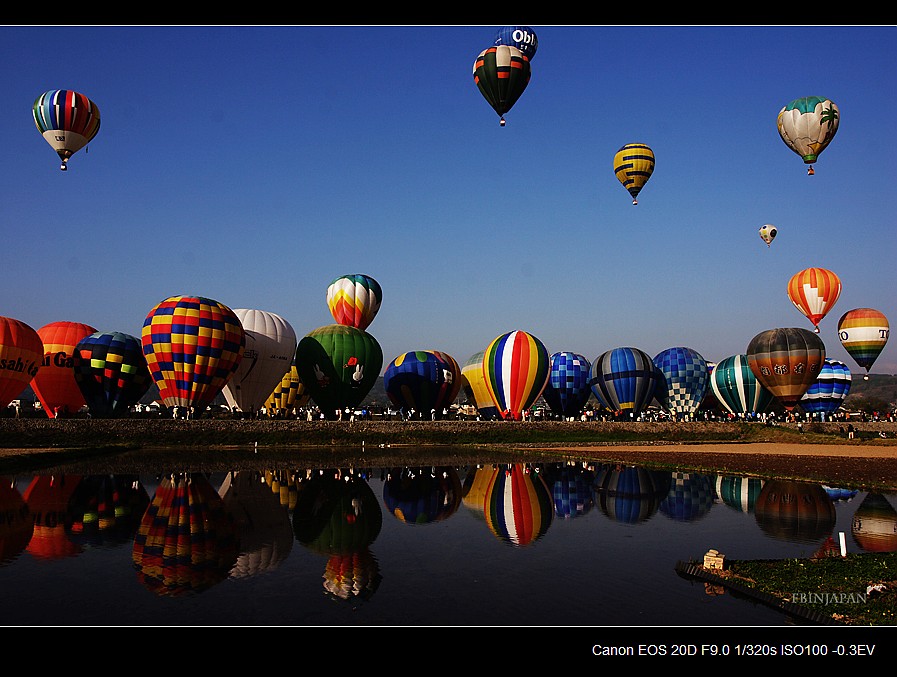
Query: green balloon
339,365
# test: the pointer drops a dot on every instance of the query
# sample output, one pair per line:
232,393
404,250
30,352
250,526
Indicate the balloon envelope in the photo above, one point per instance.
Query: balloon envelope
624,380
633,166
267,355
684,382
339,365
807,126
192,345
111,372
568,389
55,384
828,391
736,387
786,361
768,233
67,120
290,393
522,37
518,505
864,332
813,292
515,366
501,73
424,380
21,354
354,300
473,383
630,494
422,496
795,511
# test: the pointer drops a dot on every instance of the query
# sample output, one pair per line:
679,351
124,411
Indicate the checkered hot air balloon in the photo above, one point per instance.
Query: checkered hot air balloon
568,389
684,382
192,346
111,372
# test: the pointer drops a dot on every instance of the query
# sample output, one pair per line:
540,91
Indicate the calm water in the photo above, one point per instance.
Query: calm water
582,545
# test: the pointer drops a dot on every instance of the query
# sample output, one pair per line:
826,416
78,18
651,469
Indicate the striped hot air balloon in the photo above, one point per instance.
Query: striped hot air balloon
633,166
863,333
814,291
736,387
516,370
354,300
827,393
473,383
518,505
67,120
787,361
624,380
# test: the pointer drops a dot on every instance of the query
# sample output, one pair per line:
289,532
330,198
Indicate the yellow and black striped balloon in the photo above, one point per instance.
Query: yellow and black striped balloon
633,165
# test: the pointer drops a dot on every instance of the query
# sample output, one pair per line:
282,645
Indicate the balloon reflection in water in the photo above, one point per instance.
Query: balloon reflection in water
571,489
518,504
875,524
186,541
17,526
795,511
284,485
338,515
476,484
630,494
739,493
422,496
49,499
690,497
106,509
262,524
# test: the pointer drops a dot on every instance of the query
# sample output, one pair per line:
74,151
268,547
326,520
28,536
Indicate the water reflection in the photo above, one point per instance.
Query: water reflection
346,534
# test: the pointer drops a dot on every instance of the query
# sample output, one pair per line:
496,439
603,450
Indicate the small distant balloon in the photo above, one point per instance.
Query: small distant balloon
522,37
633,165
768,233
864,332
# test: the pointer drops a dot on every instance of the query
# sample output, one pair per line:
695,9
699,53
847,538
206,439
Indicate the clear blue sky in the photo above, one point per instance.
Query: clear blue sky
253,165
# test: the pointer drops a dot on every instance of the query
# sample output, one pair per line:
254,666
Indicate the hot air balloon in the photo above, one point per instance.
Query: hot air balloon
67,120
111,372
55,384
768,233
828,391
736,387
571,489
568,389
267,355
49,499
630,494
192,345
425,380
863,333
186,542
786,361
515,366
807,126
518,505
799,512
422,496
522,37
476,484
354,300
813,292
473,383
290,393
633,165
685,379
339,365
624,380
21,355
501,73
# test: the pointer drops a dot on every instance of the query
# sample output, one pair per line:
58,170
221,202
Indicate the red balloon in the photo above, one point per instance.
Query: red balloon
54,384
21,352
